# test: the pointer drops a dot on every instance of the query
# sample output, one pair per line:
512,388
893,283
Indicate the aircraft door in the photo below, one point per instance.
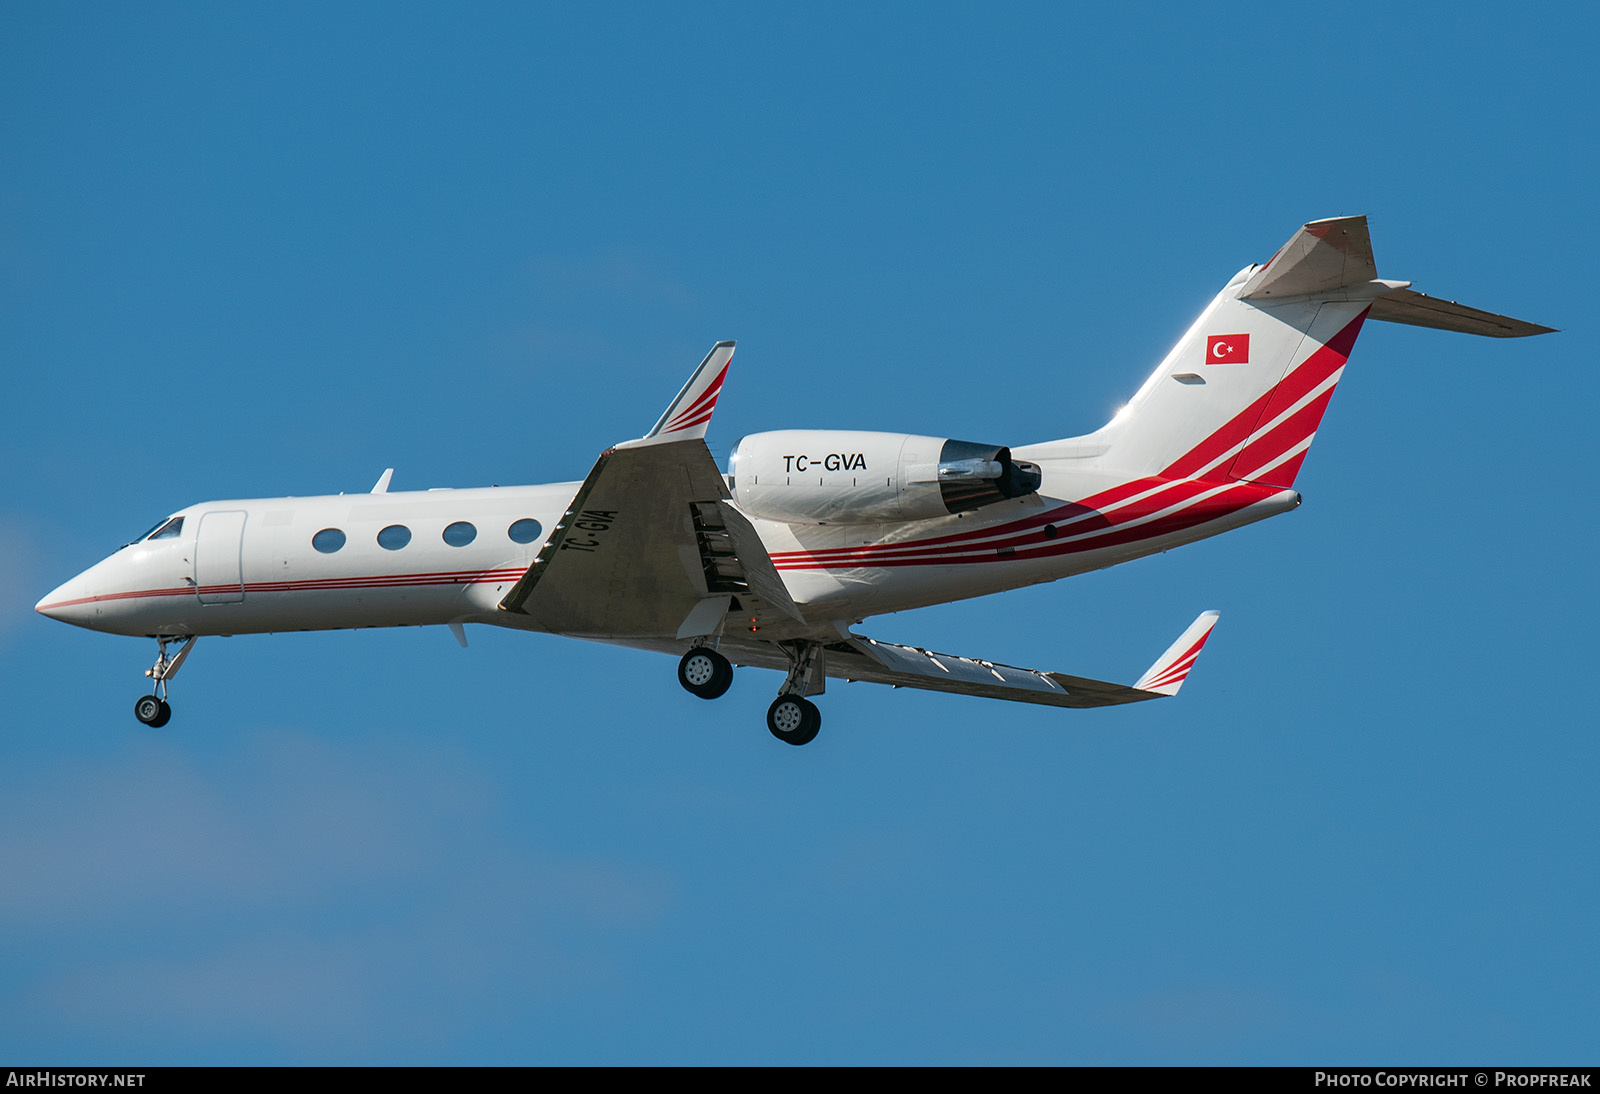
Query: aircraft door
218,558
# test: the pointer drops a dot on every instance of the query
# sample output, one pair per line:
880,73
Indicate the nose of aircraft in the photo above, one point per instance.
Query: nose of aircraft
72,602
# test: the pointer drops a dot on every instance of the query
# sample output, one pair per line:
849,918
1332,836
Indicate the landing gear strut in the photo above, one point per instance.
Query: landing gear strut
153,709
705,672
793,718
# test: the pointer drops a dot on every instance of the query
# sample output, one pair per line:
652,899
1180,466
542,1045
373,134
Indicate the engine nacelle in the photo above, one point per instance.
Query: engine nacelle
813,476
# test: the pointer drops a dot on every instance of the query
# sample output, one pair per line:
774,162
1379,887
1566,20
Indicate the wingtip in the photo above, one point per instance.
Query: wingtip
687,416
1170,670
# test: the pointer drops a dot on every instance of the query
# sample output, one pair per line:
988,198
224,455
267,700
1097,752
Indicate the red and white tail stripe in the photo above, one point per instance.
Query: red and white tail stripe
686,419
1267,440
1252,458
1166,676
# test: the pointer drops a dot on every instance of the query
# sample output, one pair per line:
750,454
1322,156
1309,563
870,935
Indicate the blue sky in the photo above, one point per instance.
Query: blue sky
254,253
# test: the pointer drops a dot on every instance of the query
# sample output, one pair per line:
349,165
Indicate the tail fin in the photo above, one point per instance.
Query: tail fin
1239,398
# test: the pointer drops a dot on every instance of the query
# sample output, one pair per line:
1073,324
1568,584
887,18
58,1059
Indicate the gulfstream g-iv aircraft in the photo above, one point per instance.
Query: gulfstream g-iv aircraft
772,563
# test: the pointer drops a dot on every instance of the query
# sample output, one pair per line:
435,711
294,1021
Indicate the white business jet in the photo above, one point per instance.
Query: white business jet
809,531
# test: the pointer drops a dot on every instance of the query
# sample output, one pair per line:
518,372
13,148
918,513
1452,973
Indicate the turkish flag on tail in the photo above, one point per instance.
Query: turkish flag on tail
1228,349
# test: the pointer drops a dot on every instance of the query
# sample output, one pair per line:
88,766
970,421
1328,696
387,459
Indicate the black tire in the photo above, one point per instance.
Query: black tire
794,720
705,672
152,711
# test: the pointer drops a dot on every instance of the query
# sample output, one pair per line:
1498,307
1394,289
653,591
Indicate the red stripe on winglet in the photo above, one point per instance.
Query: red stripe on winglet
706,401
1179,668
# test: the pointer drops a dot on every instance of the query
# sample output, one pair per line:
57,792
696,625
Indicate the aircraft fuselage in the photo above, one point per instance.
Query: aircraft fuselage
435,557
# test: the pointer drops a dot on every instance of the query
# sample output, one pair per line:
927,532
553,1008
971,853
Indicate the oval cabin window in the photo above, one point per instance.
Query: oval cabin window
394,537
328,540
525,530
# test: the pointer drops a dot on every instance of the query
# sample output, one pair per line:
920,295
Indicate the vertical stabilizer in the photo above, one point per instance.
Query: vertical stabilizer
1240,396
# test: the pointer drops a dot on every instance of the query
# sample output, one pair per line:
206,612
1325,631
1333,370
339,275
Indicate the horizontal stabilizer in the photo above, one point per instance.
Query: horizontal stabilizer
1417,310
1322,257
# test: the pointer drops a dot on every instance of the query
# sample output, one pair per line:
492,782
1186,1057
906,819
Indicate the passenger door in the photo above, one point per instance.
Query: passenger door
218,558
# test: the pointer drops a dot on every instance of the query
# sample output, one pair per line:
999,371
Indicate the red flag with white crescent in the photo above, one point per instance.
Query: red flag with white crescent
1228,349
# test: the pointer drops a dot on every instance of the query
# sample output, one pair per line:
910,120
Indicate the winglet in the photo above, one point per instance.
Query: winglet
1167,674
689,414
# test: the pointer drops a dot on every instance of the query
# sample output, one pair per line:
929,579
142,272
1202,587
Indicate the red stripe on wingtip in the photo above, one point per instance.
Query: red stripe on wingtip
1179,669
705,402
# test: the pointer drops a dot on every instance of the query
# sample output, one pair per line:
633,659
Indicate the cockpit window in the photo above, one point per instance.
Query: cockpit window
140,538
161,529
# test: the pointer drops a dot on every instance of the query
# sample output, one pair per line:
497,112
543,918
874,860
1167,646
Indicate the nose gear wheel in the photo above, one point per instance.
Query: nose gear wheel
152,710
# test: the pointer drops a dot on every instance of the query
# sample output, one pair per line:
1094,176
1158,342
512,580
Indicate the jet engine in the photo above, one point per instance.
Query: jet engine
807,476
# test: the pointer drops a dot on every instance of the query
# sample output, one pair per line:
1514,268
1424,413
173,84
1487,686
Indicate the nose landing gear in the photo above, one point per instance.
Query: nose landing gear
153,709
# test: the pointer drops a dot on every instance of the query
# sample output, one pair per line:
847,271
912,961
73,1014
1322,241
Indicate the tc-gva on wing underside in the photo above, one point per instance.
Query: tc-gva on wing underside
810,531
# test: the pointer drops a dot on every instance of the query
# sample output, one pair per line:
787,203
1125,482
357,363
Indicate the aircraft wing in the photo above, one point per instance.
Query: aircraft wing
911,667
649,546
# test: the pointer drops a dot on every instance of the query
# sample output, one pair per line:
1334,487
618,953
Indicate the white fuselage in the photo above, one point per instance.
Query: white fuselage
318,563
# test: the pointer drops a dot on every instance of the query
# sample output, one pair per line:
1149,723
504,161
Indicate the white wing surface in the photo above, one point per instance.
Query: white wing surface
648,546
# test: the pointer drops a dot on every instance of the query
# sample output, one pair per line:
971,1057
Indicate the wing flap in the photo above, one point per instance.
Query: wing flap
755,565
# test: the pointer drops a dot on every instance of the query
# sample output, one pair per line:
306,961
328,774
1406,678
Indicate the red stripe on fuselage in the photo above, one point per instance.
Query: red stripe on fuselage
1228,500
442,577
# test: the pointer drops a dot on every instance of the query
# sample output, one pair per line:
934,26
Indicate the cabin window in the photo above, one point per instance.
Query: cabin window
328,540
460,534
168,530
394,537
525,530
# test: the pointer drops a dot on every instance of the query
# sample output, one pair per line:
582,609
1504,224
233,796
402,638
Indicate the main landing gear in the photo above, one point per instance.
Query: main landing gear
154,710
792,718
705,672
